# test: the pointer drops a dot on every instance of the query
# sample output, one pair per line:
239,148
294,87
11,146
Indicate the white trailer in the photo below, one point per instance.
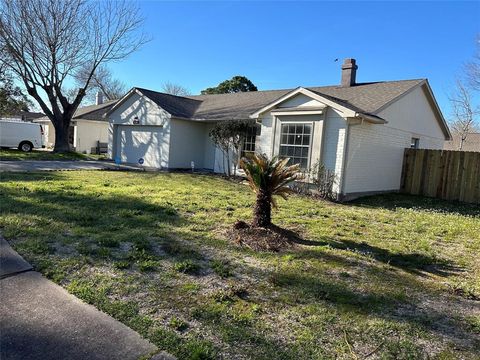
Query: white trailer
19,134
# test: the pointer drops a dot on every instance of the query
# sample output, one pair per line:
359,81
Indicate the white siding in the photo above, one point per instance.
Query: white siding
264,142
48,133
187,144
334,144
300,101
88,133
210,150
375,152
148,114
412,113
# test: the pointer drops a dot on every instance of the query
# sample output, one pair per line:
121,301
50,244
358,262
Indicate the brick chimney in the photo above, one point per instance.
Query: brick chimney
349,72
99,98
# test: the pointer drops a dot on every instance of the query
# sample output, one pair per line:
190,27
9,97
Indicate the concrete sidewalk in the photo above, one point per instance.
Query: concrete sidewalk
51,165
40,320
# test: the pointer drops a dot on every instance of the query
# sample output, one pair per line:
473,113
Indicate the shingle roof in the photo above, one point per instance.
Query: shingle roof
178,106
364,97
471,143
94,112
25,115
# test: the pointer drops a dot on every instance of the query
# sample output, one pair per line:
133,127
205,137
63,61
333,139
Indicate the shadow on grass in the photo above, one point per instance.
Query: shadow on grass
394,201
68,214
308,288
30,176
412,262
416,263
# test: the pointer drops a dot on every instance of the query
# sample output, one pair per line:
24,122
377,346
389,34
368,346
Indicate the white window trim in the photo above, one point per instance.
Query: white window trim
312,124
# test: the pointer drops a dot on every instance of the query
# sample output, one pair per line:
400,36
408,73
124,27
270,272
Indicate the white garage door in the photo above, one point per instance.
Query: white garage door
140,142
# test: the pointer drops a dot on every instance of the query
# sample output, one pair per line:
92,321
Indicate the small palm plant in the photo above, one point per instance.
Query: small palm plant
267,178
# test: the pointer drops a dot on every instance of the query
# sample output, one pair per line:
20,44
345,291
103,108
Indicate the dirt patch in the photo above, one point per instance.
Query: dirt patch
273,238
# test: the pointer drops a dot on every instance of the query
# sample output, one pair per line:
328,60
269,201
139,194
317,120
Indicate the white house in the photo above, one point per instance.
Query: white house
358,130
88,127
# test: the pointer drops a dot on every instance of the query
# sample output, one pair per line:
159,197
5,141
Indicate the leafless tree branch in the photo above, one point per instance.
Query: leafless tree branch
47,42
472,68
464,114
175,89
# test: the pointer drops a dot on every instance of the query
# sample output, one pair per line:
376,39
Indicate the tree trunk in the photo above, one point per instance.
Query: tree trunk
61,137
263,210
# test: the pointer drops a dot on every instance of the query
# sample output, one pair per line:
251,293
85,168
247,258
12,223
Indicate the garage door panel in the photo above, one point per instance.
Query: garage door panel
137,142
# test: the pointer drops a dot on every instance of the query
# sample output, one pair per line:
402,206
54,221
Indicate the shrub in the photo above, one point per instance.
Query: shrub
317,181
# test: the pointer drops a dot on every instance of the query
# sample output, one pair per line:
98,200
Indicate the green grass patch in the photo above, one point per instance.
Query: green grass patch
13,154
222,268
187,267
384,275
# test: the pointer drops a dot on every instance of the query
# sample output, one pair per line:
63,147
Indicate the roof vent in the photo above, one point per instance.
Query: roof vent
349,72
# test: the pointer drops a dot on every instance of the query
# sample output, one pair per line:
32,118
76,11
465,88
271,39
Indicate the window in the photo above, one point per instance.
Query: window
249,142
295,143
415,143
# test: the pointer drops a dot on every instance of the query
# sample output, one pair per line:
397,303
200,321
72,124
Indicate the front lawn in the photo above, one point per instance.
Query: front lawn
388,277
13,154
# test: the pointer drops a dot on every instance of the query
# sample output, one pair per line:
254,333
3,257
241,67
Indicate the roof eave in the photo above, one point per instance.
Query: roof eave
446,129
371,118
121,101
301,90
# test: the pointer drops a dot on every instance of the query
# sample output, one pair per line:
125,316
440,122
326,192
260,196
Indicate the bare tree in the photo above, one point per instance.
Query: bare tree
102,80
464,113
49,41
472,69
175,89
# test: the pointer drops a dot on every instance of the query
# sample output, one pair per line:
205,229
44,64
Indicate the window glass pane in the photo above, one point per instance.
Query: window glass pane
295,143
414,143
298,139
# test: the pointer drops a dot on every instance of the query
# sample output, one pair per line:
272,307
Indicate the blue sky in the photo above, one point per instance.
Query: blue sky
289,44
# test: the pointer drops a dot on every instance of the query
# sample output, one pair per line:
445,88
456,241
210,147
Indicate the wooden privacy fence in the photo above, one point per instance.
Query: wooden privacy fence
445,174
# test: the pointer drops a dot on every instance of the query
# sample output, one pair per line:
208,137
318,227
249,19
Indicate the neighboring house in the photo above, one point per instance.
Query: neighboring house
471,143
24,115
88,127
358,130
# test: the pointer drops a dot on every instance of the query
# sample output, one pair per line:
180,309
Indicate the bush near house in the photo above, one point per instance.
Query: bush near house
388,277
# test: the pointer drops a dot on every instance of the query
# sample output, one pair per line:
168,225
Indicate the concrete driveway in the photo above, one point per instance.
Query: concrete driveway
47,165
39,320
